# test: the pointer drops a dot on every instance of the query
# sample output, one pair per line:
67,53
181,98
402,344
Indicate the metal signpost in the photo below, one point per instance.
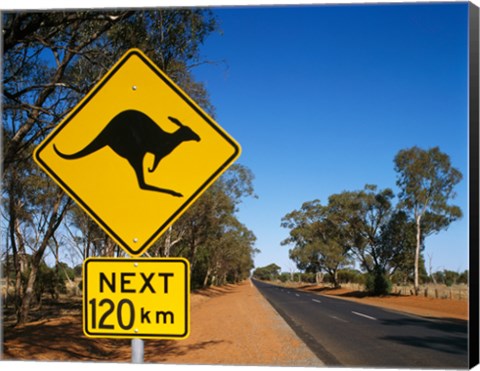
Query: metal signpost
135,153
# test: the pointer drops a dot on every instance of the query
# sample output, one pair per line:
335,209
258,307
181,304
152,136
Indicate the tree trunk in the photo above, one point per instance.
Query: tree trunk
168,243
417,256
193,253
13,233
7,274
22,316
20,263
55,219
207,277
335,278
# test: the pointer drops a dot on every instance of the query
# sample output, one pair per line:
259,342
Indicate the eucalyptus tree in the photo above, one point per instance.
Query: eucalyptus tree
358,225
362,215
427,179
367,212
228,258
320,242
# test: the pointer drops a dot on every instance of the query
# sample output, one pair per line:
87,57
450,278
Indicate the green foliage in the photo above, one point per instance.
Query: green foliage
377,283
449,278
320,242
397,245
354,224
268,273
49,281
65,272
463,278
350,276
308,277
284,277
77,270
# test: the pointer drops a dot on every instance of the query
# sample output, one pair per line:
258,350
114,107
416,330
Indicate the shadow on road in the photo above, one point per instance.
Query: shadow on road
456,343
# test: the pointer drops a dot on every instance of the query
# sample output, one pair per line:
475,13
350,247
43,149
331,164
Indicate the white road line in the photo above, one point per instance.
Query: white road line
364,315
338,319
297,295
316,301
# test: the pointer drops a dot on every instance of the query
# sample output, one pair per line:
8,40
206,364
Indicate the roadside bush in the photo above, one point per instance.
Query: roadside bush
377,283
327,278
309,277
284,277
48,282
77,270
350,276
65,273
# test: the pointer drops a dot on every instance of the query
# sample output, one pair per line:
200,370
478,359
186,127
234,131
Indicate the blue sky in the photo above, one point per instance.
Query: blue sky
321,98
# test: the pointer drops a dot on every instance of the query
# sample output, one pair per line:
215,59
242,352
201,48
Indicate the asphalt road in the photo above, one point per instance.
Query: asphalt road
345,333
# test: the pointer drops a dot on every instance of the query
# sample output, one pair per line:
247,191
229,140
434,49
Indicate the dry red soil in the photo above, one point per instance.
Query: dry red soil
230,325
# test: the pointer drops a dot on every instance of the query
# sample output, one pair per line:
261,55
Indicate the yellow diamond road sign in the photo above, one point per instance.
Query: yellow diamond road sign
136,298
136,152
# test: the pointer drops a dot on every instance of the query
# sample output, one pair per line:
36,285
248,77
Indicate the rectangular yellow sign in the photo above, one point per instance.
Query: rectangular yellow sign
136,298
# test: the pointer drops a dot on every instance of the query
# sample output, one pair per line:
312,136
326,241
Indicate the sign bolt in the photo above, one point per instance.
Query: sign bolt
134,87
136,330
135,240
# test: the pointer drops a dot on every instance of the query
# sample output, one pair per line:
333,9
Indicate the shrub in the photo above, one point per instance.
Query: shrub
308,277
377,283
350,276
284,277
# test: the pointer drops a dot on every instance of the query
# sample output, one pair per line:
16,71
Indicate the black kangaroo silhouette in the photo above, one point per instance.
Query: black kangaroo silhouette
131,134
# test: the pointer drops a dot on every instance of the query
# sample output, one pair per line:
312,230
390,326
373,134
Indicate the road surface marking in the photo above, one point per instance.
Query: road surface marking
364,315
316,301
338,319
297,295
